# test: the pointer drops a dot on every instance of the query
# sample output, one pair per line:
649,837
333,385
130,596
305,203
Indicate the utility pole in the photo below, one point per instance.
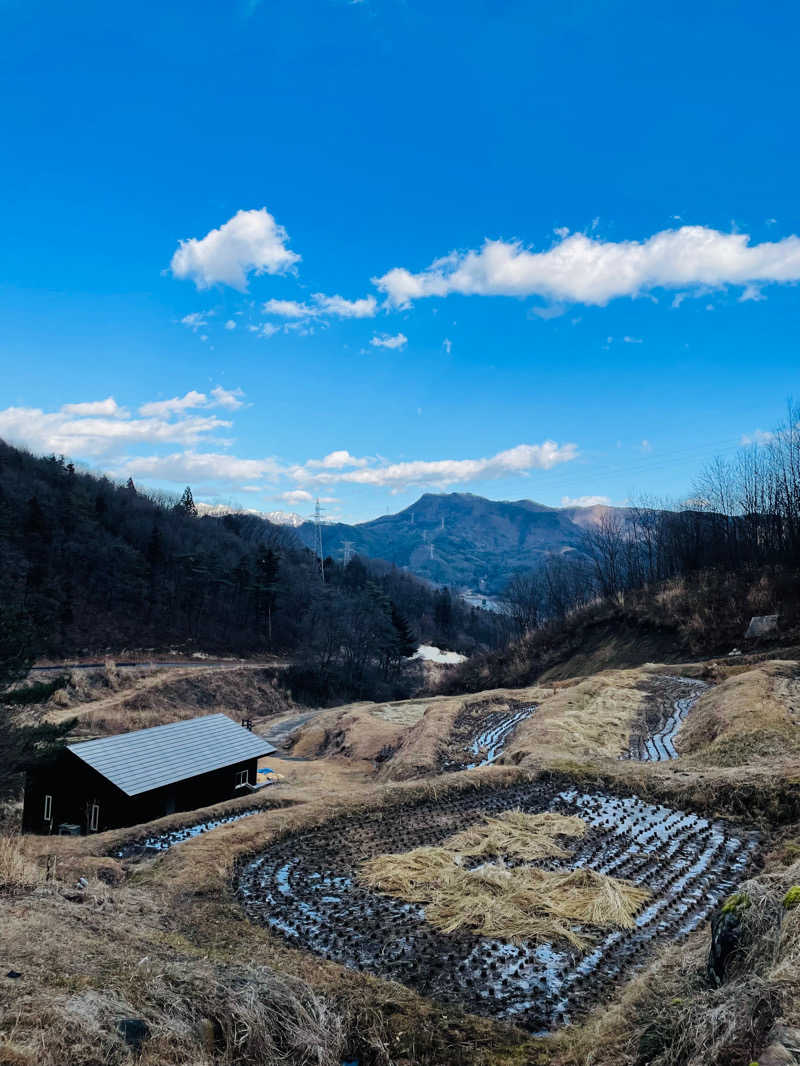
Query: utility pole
318,539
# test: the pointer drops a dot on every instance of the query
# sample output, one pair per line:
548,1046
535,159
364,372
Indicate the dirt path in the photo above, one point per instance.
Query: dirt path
281,731
165,676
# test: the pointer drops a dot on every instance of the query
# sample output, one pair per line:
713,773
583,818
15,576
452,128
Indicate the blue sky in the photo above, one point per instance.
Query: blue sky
186,189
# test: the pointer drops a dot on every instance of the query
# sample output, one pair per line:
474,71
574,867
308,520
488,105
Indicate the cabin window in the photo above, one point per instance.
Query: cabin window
242,779
94,818
48,808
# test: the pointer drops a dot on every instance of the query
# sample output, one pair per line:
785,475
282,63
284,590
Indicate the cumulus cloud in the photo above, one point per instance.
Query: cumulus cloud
66,433
177,404
295,497
214,467
107,407
385,340
286,309
758,436
583,269
339,307
197,320
323,306
441,472
230,398
585,501
230,324
338,460
251,242
144,446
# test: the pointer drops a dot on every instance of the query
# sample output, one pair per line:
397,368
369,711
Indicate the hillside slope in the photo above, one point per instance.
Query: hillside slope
462,540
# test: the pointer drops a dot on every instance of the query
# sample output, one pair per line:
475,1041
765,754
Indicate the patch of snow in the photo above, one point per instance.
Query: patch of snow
429,653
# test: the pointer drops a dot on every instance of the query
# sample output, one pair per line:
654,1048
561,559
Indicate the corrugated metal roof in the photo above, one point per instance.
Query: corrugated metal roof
149,758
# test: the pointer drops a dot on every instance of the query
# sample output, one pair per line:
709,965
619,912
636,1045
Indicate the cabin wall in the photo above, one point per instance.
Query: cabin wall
75,788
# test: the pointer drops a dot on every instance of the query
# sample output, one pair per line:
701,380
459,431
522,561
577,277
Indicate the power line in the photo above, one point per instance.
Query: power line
317,516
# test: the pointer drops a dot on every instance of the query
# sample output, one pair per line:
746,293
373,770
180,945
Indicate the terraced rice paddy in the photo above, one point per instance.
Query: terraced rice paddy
484,735
163,841
656,743
306,888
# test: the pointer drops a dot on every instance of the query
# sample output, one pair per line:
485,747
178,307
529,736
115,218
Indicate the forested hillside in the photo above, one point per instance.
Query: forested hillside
91,566
465,541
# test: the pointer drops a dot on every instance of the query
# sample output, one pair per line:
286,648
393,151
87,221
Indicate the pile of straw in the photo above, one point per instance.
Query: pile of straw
514,834
520,903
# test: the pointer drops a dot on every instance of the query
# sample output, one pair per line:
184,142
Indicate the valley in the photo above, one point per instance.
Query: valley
272,887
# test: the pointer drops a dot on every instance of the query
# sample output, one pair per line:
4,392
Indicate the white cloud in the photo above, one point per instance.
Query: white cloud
632,340
581,269
229,398
214,467
384,340
287,309
230,324
66,433
196,320
397,476
585,501
758,436
339,307
250,242
267,330
295,497
338,460
645,447
107,407
191,400
447,344
752,292
323,306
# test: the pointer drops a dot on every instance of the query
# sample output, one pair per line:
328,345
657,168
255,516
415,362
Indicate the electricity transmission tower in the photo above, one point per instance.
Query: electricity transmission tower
318,539
347,552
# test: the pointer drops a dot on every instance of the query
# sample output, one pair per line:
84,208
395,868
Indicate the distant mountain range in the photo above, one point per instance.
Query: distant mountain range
462,540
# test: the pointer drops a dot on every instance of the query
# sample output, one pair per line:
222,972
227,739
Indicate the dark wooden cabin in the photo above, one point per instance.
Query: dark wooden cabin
135,777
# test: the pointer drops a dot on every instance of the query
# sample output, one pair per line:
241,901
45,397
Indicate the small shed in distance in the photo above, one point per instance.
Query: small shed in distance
135,777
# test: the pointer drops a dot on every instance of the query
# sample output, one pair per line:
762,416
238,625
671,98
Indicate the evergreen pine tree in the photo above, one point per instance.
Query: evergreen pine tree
186,504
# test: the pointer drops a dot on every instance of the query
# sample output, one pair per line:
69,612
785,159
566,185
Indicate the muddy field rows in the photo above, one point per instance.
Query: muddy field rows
479,737
157,842
675,697
306,888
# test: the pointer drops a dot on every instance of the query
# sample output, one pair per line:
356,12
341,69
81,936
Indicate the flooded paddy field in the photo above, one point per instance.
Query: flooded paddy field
157,842
484,735
306,888
655,741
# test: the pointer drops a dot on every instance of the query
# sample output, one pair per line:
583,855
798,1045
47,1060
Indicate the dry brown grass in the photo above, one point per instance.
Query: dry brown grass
116,701
518,835
18,871
415,732
750,716
591,718
520,903
670,1016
